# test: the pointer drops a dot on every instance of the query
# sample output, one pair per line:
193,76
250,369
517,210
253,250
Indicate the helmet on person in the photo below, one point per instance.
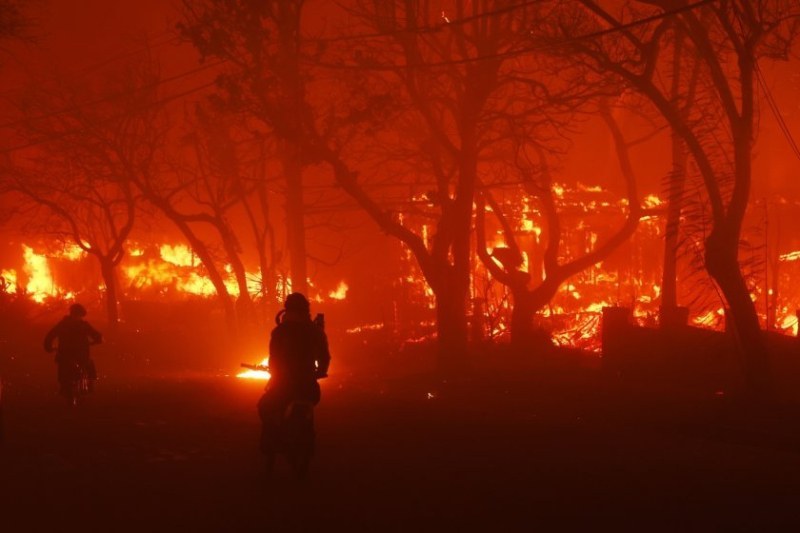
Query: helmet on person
77,310
296,302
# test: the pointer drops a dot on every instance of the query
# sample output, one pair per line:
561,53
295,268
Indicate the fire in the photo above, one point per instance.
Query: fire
709,319
572,317
172,270
202,286
789,323
149,274
9,281
256,374
40,280
589,188
340,293
73,252
791,256
651,201
366,327
529,226
178,255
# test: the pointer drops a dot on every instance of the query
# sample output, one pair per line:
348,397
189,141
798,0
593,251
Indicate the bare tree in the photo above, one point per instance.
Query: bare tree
261,42
505,264
82,162
445,81
683,89
729,37
223,178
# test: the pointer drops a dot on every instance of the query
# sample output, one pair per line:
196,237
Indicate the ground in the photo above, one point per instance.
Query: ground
542,448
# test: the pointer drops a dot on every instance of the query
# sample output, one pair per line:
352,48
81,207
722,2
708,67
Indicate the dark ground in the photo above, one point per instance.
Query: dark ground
540,448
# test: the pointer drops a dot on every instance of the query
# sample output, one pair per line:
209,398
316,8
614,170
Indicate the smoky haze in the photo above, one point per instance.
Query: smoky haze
550,246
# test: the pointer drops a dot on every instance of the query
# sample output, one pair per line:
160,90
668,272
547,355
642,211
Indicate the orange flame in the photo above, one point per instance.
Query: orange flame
178,255
256,374
40,280
9,280
340,293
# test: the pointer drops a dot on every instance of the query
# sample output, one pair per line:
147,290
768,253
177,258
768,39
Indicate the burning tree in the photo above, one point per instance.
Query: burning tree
729,38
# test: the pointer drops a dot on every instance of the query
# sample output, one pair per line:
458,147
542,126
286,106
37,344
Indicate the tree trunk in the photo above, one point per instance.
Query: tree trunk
669,281
526,304
722,246
452,328
199,248
452,301
295,217
723,266
244,302
522,331
108,272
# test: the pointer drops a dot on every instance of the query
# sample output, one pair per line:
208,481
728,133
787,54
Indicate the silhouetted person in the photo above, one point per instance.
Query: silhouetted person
74,335
298,356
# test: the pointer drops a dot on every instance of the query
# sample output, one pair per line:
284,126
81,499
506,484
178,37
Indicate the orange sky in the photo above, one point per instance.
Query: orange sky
75,35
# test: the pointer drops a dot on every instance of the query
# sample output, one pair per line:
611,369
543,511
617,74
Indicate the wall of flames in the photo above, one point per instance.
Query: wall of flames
172,270
155,271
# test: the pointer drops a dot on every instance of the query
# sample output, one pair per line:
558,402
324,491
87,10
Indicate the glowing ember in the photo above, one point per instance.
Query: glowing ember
651,201
589,188
251,373
365,327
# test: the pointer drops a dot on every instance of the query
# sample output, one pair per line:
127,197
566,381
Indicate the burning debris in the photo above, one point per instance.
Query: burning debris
258,372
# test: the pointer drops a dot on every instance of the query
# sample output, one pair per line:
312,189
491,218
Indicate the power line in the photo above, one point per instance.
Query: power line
158,43
519,51
109,119
448,24
511,53
112,97
773,105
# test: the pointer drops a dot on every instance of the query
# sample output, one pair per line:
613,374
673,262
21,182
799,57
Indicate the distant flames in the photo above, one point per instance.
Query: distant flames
40,281
173,270
340,293
572,317
8,281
